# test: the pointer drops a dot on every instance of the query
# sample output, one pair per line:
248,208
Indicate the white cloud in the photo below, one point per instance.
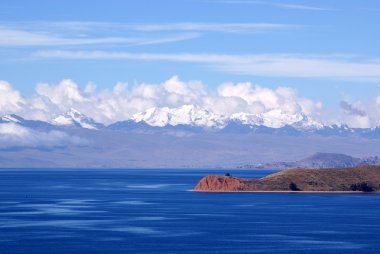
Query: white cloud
352,109
11,100
228,105
378,100
13,135
357,121
67,91
261,100
250,94
122,101
279,65
359,114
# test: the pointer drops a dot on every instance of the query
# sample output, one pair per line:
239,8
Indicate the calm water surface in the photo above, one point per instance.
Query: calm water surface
152,211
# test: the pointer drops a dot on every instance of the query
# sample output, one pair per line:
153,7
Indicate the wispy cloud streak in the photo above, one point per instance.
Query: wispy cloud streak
277,5
212,27
272,65
90,33
18,37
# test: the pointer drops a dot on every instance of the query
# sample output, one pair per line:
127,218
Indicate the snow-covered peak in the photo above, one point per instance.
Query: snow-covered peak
153,116
196,116
11,118
247,118
75,118
184,115
308,123
277,119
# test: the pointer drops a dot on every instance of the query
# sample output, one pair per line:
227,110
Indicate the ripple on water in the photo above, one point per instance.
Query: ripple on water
134,202
151,186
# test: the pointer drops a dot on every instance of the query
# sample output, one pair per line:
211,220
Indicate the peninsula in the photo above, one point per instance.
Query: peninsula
355,179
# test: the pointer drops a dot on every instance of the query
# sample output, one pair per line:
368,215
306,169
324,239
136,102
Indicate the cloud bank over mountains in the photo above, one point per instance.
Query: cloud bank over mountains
13,135
123,101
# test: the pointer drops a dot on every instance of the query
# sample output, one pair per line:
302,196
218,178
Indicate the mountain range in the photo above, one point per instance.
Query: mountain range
196,118
187,136
193,119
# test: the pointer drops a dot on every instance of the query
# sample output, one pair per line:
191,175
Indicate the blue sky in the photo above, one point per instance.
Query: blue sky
326,50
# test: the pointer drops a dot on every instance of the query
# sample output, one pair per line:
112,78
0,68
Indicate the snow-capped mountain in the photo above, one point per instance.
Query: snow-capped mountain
71,118
277,119
186,115
191,115
75,118
194,119
12,118
33,124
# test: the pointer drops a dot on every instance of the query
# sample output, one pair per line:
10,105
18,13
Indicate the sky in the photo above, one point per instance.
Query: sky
320,58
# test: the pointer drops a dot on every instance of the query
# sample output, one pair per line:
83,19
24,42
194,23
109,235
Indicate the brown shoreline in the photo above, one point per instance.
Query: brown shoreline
286,192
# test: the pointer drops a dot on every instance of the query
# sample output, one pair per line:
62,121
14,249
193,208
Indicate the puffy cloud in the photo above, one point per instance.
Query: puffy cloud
359,114
51,100
378,100
172,92
13,135
351,109
122,101
10,100
260,99
358,121
225,105
66,91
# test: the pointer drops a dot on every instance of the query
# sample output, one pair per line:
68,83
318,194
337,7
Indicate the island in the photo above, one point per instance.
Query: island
330,180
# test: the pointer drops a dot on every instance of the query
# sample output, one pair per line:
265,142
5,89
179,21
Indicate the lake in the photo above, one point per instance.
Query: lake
153,211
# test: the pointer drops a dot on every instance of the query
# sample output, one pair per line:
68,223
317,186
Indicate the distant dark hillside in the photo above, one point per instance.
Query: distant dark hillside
322,160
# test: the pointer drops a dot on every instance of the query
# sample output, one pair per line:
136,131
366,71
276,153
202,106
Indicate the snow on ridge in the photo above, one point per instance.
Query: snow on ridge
190,115
184,115
196,116
277,119
75,118
11,118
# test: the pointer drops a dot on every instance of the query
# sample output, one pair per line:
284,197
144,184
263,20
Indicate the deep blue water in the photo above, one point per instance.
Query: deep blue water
152,211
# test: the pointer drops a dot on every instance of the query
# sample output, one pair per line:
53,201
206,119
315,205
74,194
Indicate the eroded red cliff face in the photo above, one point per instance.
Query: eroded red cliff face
219,183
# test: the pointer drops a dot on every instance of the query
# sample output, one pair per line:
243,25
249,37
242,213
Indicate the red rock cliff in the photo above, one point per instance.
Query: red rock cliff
219,183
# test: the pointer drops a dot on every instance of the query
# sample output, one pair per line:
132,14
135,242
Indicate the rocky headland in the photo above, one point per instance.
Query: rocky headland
355,179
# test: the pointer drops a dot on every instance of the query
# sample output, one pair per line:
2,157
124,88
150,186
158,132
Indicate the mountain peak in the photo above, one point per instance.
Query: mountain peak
74,117
194,115
11,118
277,119
184,115
73,111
